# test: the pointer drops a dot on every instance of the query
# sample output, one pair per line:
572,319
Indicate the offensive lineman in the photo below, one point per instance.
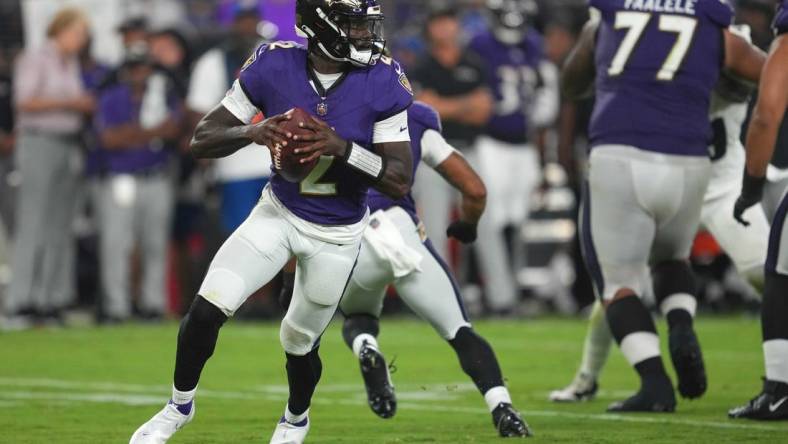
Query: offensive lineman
745,246
342,78
525,86
396,251
655,71
772,402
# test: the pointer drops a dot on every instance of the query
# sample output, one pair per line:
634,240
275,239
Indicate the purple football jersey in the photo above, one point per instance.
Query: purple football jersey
277,79
781,19
513,76
421,117
657,62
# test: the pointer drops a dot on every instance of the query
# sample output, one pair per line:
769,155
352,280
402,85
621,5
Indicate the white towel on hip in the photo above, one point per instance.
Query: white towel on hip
386,241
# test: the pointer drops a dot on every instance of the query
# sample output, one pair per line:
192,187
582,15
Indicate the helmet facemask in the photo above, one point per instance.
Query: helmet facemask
511,19
343,30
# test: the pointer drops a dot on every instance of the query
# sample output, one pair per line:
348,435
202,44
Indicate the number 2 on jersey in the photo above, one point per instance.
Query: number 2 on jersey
312,186
635,23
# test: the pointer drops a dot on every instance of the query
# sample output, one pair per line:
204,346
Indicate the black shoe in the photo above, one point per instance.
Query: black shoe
770,404
380,391
654,396
509,423
688,361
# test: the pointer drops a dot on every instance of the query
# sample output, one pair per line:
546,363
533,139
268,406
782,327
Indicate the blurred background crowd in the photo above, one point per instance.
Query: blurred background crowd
105,216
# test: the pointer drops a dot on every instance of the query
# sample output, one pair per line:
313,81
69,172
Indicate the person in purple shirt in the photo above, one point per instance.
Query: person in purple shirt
396,251
360,140
134,196
772,402
525,87
654,68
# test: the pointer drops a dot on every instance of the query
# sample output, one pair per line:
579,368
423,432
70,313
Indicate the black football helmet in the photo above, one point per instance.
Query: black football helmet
511,18
343,30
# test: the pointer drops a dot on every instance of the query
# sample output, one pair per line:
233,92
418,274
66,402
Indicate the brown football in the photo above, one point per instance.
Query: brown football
286,162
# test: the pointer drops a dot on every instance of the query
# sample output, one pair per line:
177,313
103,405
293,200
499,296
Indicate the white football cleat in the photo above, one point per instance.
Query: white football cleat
162,426
286,433
583,388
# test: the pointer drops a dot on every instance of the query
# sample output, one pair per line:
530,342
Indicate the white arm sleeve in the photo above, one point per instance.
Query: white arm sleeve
393,129
208,82
239,105
434,148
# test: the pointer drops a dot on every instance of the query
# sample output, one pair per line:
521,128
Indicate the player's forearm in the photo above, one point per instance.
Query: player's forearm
398,170
761,139
125,136
216,138
456,170
742,58
577,75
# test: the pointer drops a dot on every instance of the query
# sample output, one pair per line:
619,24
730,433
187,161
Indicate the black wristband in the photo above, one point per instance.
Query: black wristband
364,161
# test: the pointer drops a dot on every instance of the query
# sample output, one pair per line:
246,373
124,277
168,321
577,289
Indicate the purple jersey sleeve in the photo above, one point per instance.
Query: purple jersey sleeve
425,116
719,12
390,92
254,78
781,19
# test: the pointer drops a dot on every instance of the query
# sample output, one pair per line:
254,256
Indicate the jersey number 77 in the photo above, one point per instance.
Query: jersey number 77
635,23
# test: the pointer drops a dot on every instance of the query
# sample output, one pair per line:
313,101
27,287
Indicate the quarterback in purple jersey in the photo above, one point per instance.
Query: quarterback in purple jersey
525,87
772,402
360,139
654,65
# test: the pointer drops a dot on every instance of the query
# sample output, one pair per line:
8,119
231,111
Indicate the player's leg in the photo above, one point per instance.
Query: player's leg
156,214
772,402
322,273
675,289
596,349
247,260
432,293
746,246
116,218
499,284
361,305
617,231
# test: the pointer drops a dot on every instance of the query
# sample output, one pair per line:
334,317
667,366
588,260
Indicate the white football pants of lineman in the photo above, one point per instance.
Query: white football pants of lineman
642,208
510,173
430,292
258,250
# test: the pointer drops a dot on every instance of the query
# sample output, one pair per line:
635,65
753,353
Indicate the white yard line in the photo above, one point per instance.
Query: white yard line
155,394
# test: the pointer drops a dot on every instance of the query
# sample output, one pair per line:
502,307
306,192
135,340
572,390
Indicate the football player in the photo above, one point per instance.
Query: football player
525,86
655,69
746,246
396,251
772,402
361,139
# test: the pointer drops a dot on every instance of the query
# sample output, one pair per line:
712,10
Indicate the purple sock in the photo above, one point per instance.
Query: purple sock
185,409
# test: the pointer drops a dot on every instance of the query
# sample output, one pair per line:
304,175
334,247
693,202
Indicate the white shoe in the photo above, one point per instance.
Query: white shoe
286,433
162,426
583,388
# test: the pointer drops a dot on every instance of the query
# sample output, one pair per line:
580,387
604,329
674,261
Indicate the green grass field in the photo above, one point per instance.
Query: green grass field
96,385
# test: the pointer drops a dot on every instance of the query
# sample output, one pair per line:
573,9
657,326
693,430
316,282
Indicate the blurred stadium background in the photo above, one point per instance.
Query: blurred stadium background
179,36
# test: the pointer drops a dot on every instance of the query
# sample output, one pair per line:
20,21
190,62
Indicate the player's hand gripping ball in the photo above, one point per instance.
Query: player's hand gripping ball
287,162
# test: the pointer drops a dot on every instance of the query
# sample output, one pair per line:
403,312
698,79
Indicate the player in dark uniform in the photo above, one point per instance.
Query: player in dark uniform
772,402
361,139
525,86
396,251
655,66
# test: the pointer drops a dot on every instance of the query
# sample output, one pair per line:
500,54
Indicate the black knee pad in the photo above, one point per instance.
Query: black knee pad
204,314
673,277
356,324
628,315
